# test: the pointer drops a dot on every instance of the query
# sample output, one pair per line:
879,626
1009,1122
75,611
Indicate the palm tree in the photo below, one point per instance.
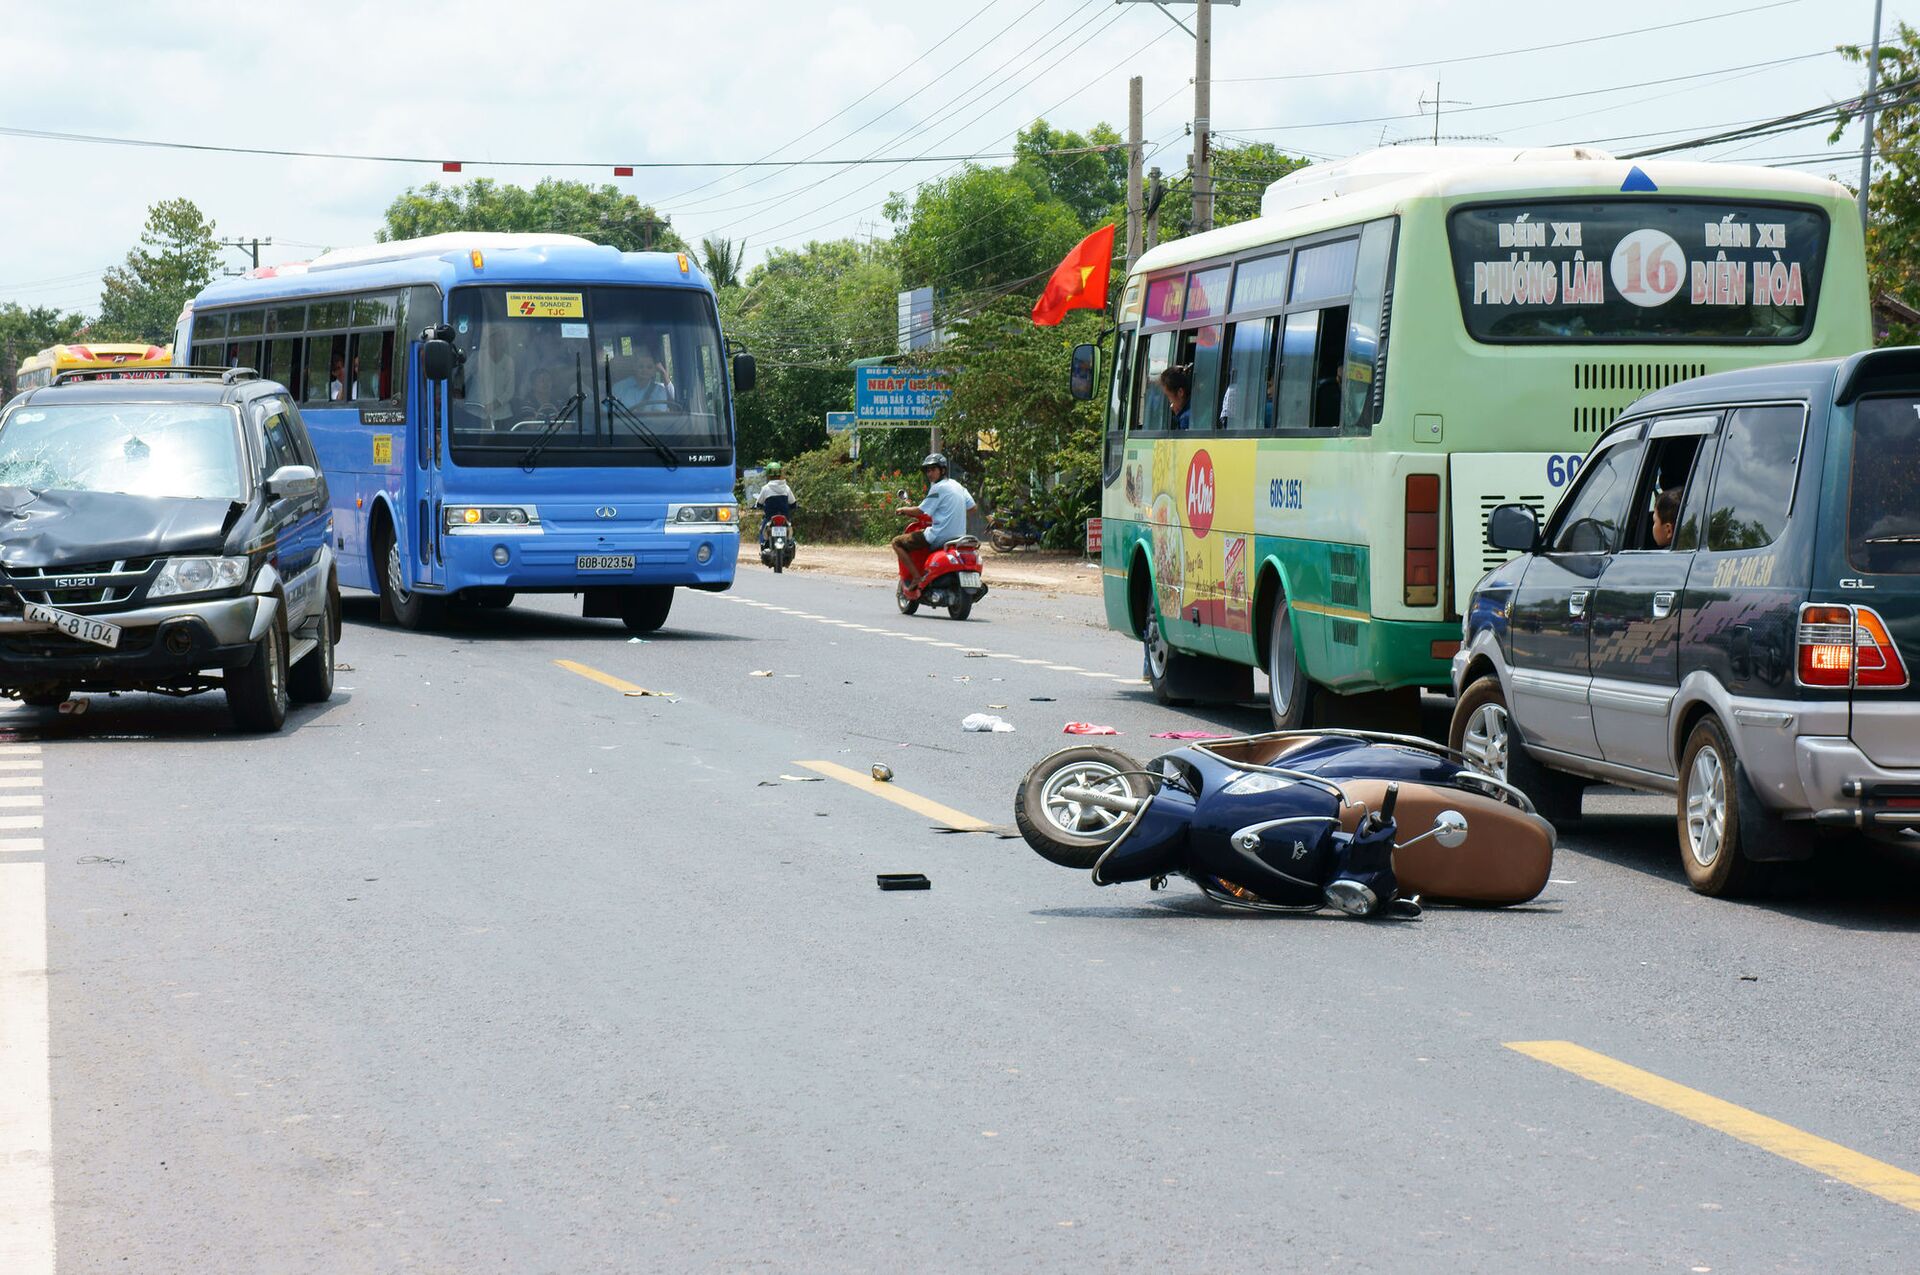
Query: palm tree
721,259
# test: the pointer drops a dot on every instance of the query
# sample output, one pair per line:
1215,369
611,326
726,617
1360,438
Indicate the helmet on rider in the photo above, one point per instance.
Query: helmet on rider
773,469
935,460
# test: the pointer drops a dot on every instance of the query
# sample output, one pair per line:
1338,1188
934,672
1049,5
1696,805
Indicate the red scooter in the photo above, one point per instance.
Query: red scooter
952,575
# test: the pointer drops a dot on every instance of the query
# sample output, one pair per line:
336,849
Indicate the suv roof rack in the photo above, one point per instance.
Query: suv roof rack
225,375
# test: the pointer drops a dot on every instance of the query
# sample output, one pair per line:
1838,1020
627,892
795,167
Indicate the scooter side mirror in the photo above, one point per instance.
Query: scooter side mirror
1450,829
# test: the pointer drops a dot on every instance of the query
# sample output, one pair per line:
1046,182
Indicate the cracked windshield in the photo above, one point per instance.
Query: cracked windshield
138,449
606,370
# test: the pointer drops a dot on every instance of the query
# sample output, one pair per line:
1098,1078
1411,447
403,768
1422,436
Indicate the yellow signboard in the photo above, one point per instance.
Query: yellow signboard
383,449
545,305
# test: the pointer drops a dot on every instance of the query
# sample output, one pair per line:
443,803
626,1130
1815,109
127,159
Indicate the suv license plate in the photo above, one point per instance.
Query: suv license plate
969,579
603,562
87,629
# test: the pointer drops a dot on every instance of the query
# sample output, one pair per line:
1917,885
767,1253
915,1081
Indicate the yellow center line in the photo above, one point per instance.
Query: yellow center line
899,796
605,679
1829,1158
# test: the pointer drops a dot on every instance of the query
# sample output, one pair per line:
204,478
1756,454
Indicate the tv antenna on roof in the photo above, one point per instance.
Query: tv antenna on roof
1436,102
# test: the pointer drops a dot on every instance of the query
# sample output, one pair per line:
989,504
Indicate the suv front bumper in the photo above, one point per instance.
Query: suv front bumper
158,644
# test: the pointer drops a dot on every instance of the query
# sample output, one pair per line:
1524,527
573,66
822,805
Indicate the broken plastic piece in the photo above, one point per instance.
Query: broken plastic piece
902,881
1087,728
761,672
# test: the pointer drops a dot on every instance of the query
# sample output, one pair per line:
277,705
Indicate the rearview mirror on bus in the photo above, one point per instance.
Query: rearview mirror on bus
1080,380
744,371
437,359
1515,528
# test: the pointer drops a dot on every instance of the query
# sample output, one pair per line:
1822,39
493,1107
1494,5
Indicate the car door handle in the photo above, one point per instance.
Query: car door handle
1577,603
1663,604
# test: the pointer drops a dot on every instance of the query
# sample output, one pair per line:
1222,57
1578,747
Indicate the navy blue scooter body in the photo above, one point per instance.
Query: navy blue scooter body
1154,844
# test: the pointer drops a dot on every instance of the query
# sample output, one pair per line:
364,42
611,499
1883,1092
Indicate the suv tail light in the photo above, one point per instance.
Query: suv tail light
1421,581
1847,646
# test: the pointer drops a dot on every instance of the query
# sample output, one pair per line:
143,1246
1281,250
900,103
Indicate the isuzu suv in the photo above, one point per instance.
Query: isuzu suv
1725,607
168,534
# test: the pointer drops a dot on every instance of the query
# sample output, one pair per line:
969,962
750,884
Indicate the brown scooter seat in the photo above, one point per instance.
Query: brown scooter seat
1506,857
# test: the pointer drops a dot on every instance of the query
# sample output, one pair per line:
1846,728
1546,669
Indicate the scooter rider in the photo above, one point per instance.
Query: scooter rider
947,504
775,498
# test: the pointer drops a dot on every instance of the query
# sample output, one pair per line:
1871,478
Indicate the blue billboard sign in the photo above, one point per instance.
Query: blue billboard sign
899,395
840,422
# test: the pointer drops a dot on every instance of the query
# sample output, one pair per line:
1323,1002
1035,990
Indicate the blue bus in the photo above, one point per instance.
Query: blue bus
502,414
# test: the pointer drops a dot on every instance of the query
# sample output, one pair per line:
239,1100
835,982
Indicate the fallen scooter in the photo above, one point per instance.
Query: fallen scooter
1294,821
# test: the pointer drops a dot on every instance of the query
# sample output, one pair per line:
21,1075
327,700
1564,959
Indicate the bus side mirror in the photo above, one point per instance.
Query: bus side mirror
1515,528
437,359
1080,380
744,371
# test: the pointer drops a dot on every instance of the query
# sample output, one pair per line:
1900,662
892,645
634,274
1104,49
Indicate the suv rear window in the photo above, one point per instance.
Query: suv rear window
1883,504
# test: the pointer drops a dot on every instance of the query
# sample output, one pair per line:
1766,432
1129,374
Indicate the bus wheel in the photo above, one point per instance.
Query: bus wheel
645,610
1162,664
1289,692
412,610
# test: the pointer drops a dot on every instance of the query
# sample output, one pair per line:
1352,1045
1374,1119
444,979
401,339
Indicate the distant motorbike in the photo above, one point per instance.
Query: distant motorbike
776,533
952,575
1014,531
1293,821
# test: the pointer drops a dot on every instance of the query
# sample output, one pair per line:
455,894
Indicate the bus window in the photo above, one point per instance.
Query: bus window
370,365
1209,352
1117,402
247,323
1294,408
1329,368
1324,271
1248,401
283,363
1363,324
244,354
1152,415
326,368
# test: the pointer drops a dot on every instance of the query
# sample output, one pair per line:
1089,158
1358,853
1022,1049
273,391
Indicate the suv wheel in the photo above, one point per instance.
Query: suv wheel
311,680
1483,730
257,690
1717,813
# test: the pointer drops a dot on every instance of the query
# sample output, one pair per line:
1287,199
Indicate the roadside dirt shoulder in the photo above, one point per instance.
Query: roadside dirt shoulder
1022,569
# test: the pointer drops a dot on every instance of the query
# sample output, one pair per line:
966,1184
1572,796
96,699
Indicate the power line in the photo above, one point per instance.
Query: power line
1892,94
1506,53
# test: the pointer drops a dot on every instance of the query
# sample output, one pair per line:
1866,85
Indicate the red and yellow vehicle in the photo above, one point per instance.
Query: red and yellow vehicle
134,358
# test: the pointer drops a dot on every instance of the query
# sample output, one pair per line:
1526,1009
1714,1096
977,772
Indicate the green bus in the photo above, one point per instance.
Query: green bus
1312,413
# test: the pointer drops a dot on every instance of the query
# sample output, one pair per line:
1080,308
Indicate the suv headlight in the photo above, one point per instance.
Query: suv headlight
181,576
461,517
686,517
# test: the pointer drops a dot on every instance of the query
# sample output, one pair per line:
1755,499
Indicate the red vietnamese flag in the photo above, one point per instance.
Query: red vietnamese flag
1080,281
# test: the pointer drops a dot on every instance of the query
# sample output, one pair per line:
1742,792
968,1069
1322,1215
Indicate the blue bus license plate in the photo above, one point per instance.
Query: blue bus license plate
603,562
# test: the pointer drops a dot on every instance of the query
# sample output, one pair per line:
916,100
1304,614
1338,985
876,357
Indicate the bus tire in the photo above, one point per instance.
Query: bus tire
1290,693
1162,665
409,610
644,610
1181,677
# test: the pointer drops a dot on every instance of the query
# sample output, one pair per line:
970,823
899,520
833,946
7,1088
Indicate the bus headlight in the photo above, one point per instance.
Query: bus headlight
181,576
476,519
701,517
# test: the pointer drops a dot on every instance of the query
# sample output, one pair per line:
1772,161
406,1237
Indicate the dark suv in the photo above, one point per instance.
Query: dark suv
167,534
1725,607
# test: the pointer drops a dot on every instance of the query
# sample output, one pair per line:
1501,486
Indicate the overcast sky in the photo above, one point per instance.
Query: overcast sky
641,82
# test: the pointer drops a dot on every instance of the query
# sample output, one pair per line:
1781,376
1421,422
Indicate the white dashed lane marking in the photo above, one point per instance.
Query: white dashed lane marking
923,639
26,1102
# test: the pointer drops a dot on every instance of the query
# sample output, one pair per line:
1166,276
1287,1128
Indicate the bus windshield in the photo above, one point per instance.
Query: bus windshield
646,363
1637,270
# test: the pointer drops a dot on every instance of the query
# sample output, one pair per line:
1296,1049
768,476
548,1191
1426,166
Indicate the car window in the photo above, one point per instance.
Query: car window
1672,459
1759,460
297,432
1596,510
276,436
1883,500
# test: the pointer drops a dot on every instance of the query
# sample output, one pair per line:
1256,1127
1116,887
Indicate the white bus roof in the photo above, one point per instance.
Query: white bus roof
1375,183
455,241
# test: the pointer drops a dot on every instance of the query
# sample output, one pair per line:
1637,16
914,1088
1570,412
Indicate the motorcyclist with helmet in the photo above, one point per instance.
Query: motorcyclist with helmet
775,499
947,503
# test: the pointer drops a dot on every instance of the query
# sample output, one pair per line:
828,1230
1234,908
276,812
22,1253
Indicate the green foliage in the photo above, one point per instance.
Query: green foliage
176,257
721,259
805,316
838,501
1012,423
1090,183
600,213
25,332
1241,174
980,229
1893,205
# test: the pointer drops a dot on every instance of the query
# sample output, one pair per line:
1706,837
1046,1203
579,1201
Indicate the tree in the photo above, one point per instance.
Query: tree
25,332
1241,175
1893,205
600,213
177,256
1090,182
721,259
981,229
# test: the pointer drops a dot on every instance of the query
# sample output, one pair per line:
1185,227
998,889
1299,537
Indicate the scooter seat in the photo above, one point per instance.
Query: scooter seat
1506,858
964,542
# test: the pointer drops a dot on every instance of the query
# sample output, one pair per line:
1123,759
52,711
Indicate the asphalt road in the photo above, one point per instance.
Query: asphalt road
490,965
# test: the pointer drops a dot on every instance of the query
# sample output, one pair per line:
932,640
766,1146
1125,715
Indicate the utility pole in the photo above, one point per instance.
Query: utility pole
1156,191
1202,109
1134,152
249,246
1866,148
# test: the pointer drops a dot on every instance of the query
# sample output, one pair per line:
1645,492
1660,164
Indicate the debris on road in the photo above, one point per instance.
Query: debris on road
986,722
974,655
644,693
996,706
1039,699
1087,728
343,668
1188,734
882,773
640,641
74,706
902,881
761,672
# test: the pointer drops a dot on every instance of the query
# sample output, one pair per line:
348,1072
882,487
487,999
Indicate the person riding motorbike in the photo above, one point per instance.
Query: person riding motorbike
775,499
947,504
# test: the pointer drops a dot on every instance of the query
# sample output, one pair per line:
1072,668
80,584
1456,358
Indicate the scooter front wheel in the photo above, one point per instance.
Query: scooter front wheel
1075,833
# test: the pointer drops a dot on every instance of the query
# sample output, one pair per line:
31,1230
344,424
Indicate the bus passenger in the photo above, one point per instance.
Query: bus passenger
644,382
1177,384
494,376
337,379
540,398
